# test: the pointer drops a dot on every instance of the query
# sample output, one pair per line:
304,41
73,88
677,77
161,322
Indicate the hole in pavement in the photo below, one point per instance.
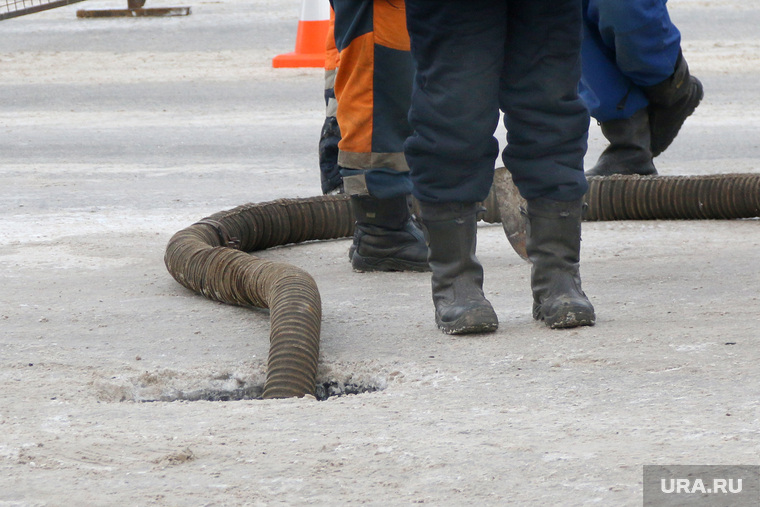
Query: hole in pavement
324,391
330,389
171,385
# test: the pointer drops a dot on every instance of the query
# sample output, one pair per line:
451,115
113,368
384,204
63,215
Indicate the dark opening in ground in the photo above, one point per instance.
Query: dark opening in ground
327,390
172,385
324,391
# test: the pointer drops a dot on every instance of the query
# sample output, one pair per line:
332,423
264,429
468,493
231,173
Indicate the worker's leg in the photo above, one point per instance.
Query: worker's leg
329,137
373,88
458,49
547,125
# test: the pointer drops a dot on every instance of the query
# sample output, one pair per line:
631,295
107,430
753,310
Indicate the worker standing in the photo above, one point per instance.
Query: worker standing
373,90
472,59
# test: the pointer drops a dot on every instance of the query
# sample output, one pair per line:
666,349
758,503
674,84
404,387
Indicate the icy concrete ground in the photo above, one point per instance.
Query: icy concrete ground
116,133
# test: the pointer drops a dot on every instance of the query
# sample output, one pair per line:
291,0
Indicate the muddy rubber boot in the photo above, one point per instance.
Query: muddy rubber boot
385,236
554,242
457,281
670,103
629,151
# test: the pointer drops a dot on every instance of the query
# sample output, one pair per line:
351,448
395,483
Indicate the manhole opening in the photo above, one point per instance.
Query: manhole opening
247,383
170,385
324,391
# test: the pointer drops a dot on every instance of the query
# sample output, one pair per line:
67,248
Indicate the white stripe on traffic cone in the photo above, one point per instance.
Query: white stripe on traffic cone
311,38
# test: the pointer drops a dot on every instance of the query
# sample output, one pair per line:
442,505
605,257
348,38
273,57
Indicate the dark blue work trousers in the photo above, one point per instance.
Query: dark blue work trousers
476,57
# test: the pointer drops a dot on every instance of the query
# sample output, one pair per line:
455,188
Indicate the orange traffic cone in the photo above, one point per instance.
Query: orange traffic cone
311,37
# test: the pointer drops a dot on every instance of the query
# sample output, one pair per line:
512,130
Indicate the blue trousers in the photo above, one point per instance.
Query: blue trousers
475,57
627,45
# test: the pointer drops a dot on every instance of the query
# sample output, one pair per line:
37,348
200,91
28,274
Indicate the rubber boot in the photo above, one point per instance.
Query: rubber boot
670,103
629,151
457,281
553,245
385,236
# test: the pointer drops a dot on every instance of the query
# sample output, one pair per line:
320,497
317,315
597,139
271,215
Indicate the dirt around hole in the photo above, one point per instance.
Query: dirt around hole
172,385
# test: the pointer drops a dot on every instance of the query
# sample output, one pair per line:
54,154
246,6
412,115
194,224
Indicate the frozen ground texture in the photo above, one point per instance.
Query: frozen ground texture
116,133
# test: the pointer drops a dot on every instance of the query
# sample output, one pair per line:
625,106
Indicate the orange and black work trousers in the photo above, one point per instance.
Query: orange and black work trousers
373,91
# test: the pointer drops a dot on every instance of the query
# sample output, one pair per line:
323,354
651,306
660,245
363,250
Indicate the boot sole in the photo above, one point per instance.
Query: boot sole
571,320
363,264
480,320
567,319
670,135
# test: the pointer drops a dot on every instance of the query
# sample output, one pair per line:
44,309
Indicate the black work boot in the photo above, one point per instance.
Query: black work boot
385,236
670,103
629,151
554,243
457,281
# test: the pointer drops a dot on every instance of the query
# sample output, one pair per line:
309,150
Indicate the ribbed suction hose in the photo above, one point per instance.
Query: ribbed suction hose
209,258
715,196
